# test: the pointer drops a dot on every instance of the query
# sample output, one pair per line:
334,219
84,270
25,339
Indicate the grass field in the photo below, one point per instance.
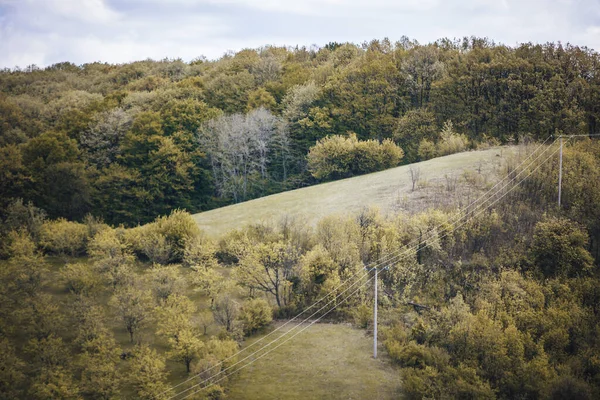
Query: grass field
389,190
326,361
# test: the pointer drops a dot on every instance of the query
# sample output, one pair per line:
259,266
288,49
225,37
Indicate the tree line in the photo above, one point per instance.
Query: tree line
129,142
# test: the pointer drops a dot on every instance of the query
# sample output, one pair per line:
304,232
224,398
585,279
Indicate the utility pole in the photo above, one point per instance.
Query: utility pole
375,320
560,171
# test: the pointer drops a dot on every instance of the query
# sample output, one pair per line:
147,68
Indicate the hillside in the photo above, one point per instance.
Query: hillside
445,181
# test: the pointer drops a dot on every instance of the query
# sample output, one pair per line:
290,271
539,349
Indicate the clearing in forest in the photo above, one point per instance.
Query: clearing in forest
326,361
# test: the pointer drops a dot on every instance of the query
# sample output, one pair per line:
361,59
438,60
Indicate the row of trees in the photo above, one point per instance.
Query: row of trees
129,142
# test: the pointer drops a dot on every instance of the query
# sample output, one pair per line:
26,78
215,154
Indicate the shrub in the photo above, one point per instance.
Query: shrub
64,237
165,239
451,142
106,243
427,150
338,156
452,383
155,246
166,281
200,252
331,157
363,315
559,248
179,229
80,278
20,215
19,244
255,314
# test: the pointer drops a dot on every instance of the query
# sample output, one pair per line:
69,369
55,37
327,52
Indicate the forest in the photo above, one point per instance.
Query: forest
128,142
109,289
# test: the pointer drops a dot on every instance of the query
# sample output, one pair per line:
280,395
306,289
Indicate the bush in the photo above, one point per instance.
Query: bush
338,156
416,355
155,246
19,244
559,248
107,243
23,216
427,150
64,237
80,278
451,383
200,253
165,239
179,229
451,142
363,315
255,314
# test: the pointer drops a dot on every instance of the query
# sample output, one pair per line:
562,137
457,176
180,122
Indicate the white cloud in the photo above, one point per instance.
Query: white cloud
49,31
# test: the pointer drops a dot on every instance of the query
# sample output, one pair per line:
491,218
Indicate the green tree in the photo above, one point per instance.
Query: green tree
559,248
261,98
255,314
412,128
14,177
268,267
186,348
133,307
11,371
54,383
147,374
174,316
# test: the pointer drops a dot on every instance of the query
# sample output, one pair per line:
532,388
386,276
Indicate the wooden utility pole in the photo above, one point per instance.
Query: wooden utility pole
375,320
560,171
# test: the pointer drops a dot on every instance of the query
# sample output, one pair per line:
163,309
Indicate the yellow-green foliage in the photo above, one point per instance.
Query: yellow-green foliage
318,272
342,156
559,248
450,141
165,239
200,252
166,281
20,244
427,150
80,278
64,237
255,314
107,243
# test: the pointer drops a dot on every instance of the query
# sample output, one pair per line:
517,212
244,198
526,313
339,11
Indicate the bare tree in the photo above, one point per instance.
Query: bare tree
226,311
415,175
241,148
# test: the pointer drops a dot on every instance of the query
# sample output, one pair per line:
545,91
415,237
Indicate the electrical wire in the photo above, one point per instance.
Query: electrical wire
446,234
378,263
276,347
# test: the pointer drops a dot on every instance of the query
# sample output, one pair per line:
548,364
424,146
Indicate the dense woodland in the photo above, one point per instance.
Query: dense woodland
96,305
129,142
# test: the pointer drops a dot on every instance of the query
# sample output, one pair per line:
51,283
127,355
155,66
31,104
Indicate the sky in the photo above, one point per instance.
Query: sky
45,32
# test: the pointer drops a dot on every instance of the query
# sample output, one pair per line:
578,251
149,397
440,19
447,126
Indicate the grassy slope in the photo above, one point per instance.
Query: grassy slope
326,361
388,190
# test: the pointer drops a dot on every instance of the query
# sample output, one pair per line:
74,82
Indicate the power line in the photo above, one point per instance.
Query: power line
273,341
276,347
380,262
285,341
426,244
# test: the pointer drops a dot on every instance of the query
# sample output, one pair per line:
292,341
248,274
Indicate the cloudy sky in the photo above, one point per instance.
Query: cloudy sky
44,32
